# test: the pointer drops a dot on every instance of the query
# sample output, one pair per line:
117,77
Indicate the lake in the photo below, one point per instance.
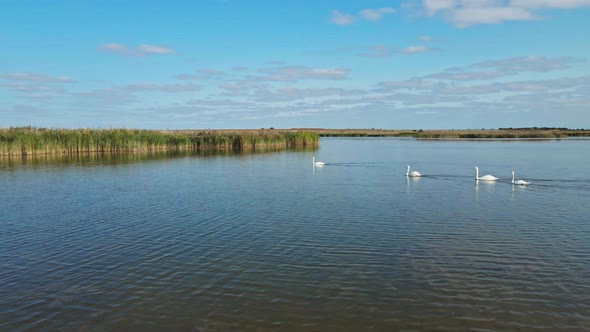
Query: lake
267,242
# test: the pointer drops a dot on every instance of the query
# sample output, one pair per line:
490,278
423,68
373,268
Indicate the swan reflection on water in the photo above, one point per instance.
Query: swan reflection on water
515,187
485,185
414,180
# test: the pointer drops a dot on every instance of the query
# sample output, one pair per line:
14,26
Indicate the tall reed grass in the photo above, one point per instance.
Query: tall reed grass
33,141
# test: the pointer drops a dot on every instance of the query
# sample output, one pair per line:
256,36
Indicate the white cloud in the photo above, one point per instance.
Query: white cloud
415,49
142,87
155,49
298,73
101,98
378,51
341,18
439,88
432,7
481,3
528,64
28,88
242,87
465,76
142,50
464,17
120,96
41,96
412,84
493,69
221,103
465,13
285,74
211,72
559,4
376,14
188,77
36,77
382,51
117,48
202,74
368,14
330,73
465,100
294,94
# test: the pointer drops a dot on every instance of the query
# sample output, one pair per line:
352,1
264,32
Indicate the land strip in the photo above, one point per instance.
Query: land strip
455,134
35,141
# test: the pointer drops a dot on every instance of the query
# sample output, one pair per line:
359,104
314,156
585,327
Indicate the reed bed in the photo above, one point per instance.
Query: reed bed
35,141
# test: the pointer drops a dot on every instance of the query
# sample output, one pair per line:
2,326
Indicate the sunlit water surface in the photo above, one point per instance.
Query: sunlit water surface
265,242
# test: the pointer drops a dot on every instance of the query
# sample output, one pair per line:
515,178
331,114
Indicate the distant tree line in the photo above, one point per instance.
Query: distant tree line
539,128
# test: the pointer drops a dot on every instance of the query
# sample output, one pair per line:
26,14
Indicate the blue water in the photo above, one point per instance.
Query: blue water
266,242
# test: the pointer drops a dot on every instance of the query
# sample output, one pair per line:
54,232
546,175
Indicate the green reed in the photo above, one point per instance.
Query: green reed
32,140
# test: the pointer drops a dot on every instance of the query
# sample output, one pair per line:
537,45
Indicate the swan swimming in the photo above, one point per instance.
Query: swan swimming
317,163
519,182
485,177
414,173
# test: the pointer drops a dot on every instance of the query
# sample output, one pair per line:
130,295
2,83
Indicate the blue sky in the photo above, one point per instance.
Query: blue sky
415,64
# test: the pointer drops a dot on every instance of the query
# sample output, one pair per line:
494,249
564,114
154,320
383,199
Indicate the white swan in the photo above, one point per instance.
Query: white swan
414,173
317,163
519,182
485,177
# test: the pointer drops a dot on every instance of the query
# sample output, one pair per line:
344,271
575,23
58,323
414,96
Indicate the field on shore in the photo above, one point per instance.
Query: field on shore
459,133
430,134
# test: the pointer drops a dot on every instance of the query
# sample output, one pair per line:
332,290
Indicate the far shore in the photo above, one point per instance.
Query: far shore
533,132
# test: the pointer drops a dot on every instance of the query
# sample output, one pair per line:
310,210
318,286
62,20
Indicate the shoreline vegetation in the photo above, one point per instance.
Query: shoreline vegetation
24,141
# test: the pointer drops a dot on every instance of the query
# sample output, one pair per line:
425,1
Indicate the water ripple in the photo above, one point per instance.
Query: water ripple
232,244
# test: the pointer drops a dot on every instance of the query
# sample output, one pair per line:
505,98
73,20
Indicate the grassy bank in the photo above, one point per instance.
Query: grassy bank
34,141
